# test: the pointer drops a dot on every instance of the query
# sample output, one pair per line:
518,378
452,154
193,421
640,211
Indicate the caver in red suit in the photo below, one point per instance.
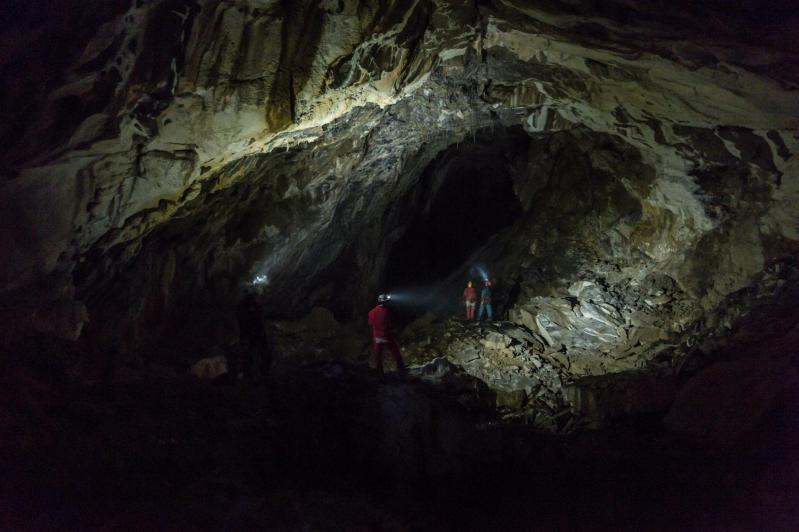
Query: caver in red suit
470,299
382,335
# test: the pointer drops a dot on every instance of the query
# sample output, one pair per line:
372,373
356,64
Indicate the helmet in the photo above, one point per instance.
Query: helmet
382,298
469,284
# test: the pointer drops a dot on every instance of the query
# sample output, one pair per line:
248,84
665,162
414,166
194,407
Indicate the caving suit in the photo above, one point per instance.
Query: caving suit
382,335
470,298
256,347
485,304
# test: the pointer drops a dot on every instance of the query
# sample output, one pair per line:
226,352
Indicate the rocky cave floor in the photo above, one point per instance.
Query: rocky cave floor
327,445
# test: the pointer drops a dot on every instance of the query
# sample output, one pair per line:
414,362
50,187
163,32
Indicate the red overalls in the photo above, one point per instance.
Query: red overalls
470,297
380,322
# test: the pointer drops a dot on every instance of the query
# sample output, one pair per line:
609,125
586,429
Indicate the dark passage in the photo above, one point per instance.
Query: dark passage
466,196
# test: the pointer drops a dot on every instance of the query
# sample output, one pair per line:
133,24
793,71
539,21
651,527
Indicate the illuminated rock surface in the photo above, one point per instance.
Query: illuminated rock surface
627,173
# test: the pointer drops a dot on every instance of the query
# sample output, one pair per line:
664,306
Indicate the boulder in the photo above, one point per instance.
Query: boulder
210,368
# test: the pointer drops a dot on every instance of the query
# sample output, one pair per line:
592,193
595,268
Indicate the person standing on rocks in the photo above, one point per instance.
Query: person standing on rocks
513,297
383,335
255,356
485,302
470,298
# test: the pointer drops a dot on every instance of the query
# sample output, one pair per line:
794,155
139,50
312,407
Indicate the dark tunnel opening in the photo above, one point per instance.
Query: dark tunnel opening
464,197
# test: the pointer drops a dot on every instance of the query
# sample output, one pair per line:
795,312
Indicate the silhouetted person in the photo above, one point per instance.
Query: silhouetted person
255,345
383,335
513,296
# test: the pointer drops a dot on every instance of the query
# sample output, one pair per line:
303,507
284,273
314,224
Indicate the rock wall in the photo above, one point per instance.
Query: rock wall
174,149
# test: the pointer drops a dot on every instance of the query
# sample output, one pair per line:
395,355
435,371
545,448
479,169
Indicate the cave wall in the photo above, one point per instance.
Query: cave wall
176,148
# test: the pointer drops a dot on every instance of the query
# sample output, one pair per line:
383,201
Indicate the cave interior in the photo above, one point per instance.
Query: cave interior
625,174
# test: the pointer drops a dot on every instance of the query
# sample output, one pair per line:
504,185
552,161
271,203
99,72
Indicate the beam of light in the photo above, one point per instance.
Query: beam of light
411,296
483,272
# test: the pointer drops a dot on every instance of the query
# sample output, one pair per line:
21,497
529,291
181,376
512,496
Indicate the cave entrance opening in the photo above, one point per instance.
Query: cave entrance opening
463,198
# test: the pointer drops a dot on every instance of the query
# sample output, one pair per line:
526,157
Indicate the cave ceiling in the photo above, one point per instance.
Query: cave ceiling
155,155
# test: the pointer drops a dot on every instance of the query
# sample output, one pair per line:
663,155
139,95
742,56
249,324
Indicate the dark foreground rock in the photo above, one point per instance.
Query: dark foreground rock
334,447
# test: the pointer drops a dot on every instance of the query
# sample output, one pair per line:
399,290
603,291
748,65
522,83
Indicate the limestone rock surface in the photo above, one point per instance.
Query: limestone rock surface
155,156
